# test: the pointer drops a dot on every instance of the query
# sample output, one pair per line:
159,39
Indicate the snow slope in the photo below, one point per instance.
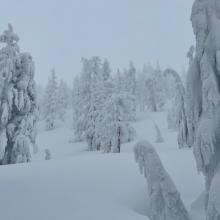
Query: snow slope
81,185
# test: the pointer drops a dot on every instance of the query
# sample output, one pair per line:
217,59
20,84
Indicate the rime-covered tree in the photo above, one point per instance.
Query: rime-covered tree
62,100
106,70
99,104
190,91
95,103
115,126
151,98
143,98
82,100
130,84
164,199
76,103
178,118
159,87
141,91
118,81
131,74
51,102
106,81
156,91
203,96
18,105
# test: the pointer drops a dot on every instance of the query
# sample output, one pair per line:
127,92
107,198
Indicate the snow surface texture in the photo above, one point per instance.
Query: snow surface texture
165,201
78,184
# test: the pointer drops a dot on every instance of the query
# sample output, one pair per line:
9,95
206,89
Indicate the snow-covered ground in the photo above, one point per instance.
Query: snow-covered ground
80,185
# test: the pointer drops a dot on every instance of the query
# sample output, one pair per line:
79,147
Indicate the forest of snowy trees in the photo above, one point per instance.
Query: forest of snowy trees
107,110
104,102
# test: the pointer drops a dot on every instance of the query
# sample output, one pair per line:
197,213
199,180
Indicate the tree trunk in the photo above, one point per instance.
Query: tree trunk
119,140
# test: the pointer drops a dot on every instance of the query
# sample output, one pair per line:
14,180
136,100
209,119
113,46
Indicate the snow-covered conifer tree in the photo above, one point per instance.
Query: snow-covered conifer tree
115,125
107,80
143,97
101,105
95,103
51,102
165,201
82,100
178,108
62,100
130,85
159,87
118,81
203,96
106,70
152,103
76,103
156,91
18,105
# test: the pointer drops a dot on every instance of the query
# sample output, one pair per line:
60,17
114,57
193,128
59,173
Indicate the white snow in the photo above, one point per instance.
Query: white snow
80,185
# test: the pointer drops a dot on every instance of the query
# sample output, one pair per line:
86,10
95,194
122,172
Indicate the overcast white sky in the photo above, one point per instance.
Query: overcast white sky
59,32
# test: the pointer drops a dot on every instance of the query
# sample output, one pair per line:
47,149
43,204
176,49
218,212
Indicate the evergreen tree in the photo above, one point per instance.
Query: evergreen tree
159,87
95,104
99,103
82,100
156,90
118,81
51,102
142,90
18,105
63,100
203,96
76,102
151,98
178,118
106,70
164,199
129,85
115,124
